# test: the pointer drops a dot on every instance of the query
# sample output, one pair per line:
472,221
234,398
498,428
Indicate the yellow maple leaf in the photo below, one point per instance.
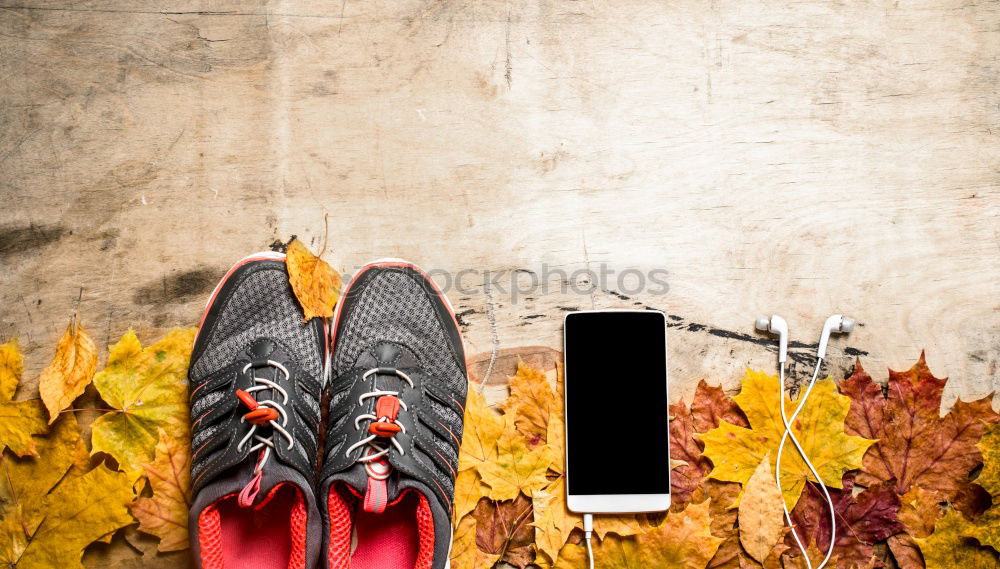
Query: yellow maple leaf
78,512
530,402
986,528
71,370
465,554
946,548
516,469
482,429
469,489
18,419
315,284
760,515
683,540
553,521
989,445
165,514
147,387
25,482
736,451
11,369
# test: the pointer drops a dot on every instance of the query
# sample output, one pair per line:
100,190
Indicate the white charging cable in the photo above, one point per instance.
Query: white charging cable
588,531
788,434
775,324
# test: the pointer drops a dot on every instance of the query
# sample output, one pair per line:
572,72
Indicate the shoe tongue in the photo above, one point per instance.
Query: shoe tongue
364,486
379,492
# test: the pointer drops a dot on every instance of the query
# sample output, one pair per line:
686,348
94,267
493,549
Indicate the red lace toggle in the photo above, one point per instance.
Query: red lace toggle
386,409
258,414
387,406
381,429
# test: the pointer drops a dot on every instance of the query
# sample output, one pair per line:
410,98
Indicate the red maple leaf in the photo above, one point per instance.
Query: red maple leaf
862,521
710,405
917,446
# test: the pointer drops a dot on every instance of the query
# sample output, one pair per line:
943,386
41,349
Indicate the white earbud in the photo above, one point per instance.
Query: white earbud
776,325
837,323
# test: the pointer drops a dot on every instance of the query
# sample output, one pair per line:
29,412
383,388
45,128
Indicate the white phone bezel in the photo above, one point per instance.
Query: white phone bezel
612,503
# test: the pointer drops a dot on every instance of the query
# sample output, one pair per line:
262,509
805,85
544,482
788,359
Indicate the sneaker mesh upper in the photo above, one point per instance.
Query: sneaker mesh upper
393,307
263,306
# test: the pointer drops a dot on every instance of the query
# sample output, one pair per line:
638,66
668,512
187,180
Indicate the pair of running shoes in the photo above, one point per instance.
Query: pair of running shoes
316,447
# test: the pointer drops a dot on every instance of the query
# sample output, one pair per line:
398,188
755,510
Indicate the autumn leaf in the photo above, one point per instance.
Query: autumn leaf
681,540
760,515
147,387
469,489
947,549
516,469
315,284
71,370
465,554
165,514
504,528
731,554
917,446
862,521
989,477
530,402
985,525
710,405
78,512
482,430
24,482
918,511
11,369
813,553
553,520
736,451
18,419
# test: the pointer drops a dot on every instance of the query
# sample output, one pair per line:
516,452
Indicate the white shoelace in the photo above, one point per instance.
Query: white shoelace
267,443
376,448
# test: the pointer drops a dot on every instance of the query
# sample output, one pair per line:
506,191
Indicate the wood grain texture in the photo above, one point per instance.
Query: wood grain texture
800,158
796,158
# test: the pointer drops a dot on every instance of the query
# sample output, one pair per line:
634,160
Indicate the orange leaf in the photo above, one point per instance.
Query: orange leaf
315,284
165,515
530,402
71,370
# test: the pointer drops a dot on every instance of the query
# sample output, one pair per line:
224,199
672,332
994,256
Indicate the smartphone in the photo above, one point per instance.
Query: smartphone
617,418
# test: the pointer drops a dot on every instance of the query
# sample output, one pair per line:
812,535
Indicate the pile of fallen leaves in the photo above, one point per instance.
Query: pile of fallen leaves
909,484
911,487
57,494
60,492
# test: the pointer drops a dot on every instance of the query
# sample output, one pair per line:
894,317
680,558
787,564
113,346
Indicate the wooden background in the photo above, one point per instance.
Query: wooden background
802,158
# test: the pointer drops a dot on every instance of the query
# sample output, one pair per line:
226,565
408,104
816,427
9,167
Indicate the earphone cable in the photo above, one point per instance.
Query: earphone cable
788,422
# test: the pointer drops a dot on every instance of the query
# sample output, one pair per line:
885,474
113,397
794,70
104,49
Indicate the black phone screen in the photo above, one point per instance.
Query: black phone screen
616,403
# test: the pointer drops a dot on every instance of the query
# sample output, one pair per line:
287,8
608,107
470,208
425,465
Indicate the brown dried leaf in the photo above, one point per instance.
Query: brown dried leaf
165,514
504,529
761,518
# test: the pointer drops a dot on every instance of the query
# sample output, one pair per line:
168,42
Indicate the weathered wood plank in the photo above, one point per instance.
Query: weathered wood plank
801,158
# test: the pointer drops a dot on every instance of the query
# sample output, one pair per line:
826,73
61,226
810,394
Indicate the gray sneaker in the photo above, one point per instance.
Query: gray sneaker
395,421
257,373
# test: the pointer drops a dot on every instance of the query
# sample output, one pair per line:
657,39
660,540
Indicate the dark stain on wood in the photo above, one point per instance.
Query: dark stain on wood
14,239
179,287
